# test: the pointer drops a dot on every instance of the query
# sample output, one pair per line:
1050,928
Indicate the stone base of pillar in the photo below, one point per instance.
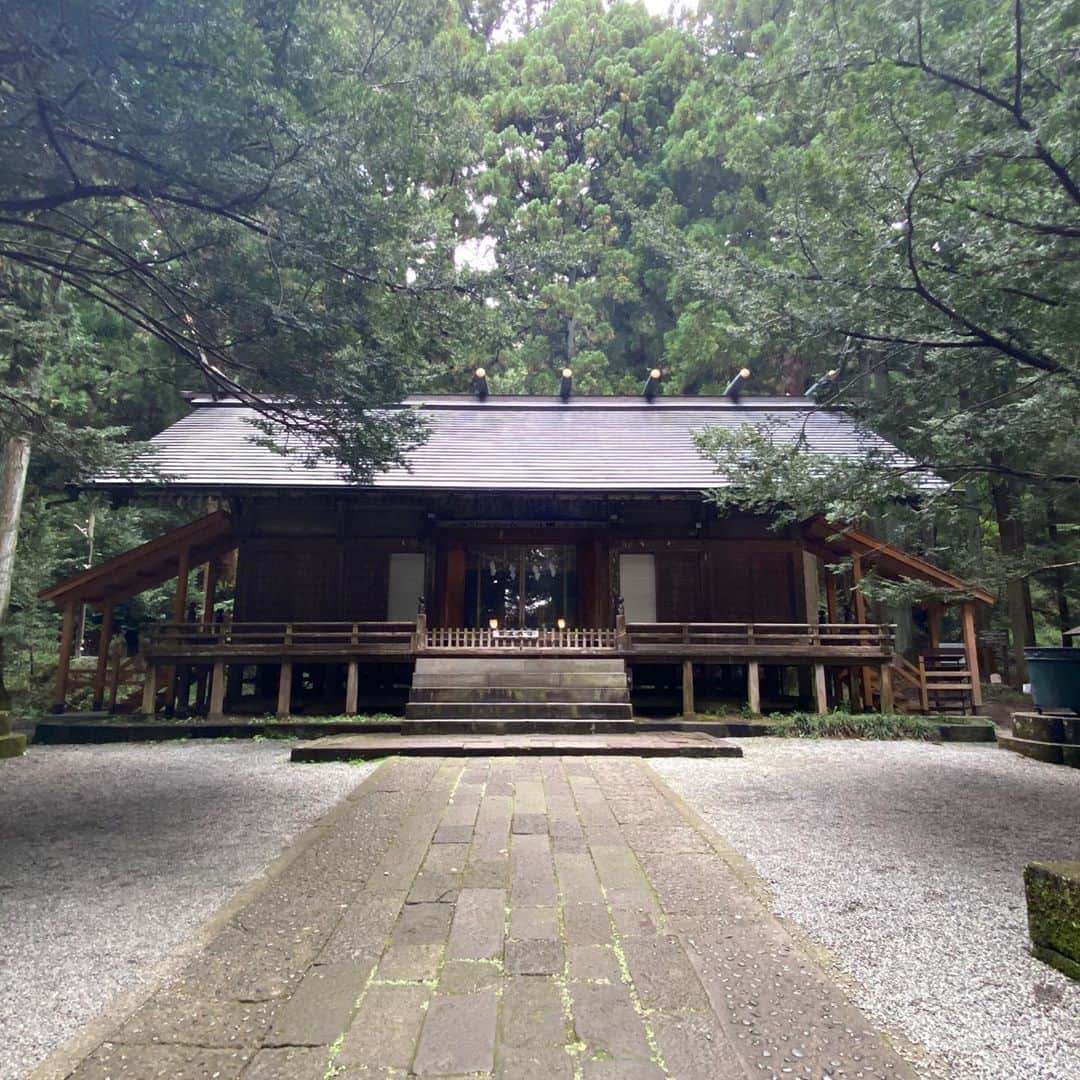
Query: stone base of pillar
12,743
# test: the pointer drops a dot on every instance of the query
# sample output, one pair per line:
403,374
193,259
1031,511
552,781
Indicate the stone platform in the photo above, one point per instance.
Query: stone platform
455,743
1050,737
536,918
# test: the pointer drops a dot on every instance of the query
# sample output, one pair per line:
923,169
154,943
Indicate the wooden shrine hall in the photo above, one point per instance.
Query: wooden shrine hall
522,528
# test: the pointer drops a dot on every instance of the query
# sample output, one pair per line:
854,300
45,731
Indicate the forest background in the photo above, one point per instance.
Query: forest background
302,201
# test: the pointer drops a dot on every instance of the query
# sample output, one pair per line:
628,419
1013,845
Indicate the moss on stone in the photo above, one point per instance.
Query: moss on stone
1053,903
12,745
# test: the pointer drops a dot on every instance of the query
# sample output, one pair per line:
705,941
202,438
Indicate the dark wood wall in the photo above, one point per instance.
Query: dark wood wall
312,560
321,559
725,580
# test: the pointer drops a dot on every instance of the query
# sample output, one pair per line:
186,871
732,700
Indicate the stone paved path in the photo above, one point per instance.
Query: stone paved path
517,918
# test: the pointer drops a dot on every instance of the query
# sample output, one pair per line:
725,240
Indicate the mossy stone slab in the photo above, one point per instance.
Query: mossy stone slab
12,745
1053,904
1040,727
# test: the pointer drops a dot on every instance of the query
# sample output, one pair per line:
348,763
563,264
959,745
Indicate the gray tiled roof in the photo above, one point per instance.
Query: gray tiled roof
510,443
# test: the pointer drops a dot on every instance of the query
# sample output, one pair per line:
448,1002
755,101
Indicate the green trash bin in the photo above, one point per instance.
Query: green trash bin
1055,677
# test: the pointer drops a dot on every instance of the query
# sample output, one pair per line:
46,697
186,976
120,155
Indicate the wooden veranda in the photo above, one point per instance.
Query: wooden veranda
213,648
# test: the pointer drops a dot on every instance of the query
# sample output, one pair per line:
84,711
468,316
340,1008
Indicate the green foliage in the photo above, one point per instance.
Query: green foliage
843,725
261,186
906,213
578,114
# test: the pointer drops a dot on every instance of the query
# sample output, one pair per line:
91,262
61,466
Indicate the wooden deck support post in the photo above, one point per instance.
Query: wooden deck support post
352,688
821,695
753,686
102,669
688,688
972,652
284,693
888,705
217,690
856,685
63,666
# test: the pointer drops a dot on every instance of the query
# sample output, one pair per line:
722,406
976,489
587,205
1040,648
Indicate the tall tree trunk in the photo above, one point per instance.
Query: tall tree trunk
1018,589
14,464
1061,577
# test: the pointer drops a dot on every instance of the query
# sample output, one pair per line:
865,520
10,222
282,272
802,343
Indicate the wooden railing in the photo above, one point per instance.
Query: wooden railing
736,636
467,639
122,673
291,638
195,641
907,674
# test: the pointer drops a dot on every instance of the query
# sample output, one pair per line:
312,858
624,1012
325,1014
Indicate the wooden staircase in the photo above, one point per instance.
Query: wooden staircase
939,682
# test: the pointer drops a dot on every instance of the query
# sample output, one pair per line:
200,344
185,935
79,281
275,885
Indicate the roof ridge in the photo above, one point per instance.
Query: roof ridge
579,401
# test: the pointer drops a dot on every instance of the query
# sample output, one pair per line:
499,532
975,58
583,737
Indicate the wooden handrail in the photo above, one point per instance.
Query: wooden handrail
812,635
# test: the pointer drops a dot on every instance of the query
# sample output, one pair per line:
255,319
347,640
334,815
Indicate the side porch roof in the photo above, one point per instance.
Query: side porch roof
158,560
888,559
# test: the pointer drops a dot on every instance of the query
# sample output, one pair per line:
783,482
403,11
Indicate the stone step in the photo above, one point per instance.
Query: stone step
555,664
494,694
547,726
536,710
1051,752
531,679
653,744
1046,727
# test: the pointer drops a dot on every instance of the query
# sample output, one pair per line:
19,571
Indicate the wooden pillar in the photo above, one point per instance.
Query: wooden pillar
352,688
454,597
865,680
811,588
284,694
821,695
860,600
63,666
934,613
210,577
972,652
753,686
217,690
102,669
181,594
688,688
149,694
179,613
887,703
832,600
114,682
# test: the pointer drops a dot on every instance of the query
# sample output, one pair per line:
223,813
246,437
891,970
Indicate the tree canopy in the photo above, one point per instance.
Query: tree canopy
319,206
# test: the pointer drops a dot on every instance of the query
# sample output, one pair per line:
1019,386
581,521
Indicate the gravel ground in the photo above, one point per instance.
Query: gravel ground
905,860
114,854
